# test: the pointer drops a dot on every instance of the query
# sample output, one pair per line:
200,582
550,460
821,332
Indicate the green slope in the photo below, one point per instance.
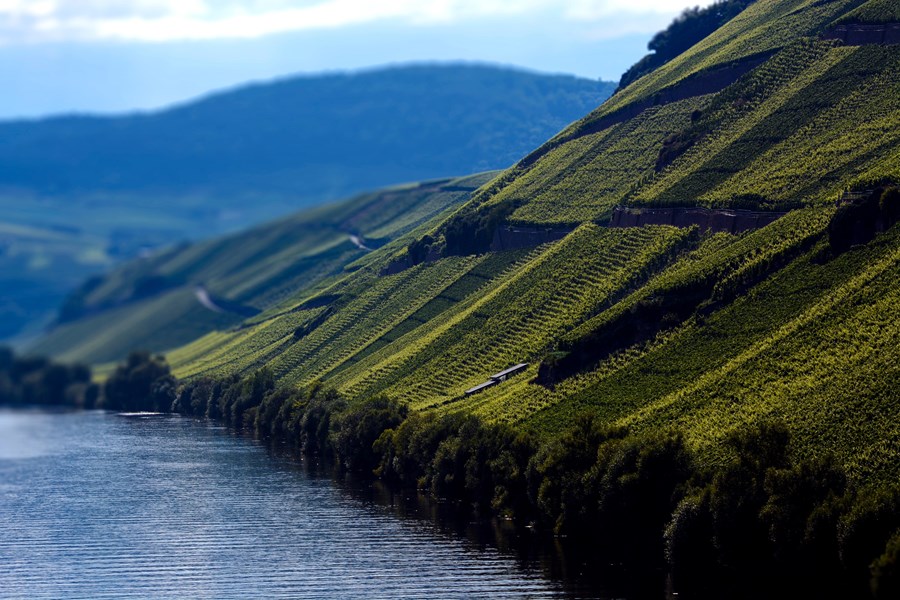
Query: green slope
652,326
874,11
120,185
153,303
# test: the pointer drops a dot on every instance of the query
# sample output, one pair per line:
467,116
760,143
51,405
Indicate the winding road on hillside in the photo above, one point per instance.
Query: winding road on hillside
203,297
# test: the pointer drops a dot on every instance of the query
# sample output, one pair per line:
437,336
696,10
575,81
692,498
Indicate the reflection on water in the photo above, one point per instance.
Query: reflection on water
97,505
27,434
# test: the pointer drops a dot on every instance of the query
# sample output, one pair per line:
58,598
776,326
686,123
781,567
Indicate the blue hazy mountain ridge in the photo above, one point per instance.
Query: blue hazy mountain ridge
79,193
313,137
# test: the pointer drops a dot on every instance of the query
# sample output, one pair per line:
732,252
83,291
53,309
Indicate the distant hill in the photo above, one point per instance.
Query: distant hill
179,294
80,193
311,138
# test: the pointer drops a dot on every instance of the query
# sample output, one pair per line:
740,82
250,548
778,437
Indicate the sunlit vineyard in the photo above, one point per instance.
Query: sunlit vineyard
600,178
513,322
743,121
265,268
815,162
646,327
764,26
874,11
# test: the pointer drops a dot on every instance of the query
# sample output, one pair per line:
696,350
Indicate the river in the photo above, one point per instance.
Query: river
100,505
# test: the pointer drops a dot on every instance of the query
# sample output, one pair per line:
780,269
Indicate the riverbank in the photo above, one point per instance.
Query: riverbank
201,512
767,522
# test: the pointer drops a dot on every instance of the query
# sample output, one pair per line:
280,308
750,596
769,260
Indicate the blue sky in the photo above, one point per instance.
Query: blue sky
62,56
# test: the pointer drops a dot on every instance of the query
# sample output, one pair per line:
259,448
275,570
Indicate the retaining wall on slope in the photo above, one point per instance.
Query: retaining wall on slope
865,34
513,238
715,220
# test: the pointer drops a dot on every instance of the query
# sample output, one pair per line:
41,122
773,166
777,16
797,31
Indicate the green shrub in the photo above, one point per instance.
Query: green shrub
865,530
471,232
886,571
142,383
356,430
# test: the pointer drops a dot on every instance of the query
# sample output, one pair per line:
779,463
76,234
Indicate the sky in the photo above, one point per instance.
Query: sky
114,56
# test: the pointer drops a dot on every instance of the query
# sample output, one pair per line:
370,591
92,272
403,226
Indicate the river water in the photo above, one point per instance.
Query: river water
99,505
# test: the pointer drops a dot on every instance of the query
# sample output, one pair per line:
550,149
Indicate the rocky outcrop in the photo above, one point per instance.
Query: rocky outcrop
715,220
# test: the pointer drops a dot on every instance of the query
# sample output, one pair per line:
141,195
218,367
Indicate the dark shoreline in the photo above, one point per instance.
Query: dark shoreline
767,523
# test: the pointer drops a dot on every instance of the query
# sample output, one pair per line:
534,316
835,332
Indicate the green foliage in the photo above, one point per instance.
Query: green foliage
800,513
764,515
866,529
471,233
418,249
691,26
857,222
36,381
358,428
142,383
557,473
886,571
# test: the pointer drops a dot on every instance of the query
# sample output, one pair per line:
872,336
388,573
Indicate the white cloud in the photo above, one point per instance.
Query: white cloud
167,20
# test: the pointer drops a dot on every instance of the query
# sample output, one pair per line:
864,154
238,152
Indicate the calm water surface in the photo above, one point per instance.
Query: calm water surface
96,505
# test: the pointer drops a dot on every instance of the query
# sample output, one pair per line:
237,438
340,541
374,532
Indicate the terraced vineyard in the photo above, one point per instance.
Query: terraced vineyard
746,120
647,328
874,11
149,303
857,113
512,322
813,118
600,178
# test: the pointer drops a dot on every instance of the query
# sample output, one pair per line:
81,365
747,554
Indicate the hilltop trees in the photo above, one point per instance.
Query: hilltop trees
687,29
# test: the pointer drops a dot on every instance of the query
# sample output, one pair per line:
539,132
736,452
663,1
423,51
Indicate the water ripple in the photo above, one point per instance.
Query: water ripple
165,507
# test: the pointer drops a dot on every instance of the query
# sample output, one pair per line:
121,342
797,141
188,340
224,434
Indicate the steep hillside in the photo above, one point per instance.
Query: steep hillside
172,297
656,325
114,187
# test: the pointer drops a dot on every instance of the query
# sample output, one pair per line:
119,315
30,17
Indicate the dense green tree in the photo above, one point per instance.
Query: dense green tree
886,571
142,383
35,380
866,528
687,29
358,428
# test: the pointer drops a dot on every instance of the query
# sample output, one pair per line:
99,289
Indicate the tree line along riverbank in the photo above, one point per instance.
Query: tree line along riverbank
765,521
